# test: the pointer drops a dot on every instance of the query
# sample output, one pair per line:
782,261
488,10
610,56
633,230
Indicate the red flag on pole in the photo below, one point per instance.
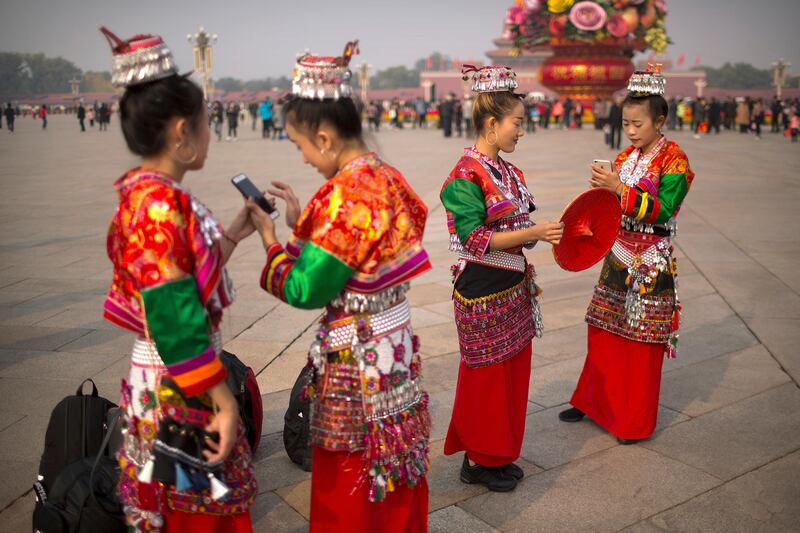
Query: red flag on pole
681,59
429,63
697,61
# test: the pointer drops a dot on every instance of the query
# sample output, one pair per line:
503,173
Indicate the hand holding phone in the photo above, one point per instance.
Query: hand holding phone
249,190
603,164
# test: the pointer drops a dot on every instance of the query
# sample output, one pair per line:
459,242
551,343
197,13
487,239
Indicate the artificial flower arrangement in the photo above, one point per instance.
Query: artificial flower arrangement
637,24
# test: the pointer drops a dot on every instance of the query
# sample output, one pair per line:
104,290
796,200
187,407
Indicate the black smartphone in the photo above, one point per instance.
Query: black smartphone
248,190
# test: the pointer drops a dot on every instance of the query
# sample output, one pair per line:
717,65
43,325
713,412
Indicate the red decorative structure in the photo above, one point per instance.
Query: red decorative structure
593,41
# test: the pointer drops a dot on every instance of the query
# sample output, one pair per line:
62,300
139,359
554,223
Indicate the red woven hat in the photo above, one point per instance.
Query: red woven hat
591,223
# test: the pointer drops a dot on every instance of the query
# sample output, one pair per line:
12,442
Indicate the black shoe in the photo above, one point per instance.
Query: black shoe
626,442
512,470
573,414
493,477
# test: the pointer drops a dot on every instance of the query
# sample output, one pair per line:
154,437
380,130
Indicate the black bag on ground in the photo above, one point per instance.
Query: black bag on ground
76,430
297,423
242,382
83,497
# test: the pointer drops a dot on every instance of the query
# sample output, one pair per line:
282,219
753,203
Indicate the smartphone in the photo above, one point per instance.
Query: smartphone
248,190
603,163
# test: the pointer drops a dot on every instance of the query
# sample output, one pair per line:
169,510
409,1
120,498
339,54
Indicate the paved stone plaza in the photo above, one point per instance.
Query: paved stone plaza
725,456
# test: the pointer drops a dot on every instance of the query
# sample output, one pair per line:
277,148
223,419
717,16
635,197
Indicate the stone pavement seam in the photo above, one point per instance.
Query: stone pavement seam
285,348
678,504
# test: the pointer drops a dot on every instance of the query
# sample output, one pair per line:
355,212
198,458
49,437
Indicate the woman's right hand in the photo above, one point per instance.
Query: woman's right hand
548,231
225,423
283,190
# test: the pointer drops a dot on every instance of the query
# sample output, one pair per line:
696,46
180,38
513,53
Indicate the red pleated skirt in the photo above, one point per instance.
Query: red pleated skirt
336,507
620,383
488,419
181,522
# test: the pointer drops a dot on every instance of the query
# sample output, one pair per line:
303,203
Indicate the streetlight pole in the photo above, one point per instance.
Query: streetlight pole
779,75
75,88
700,84
363,79
203,41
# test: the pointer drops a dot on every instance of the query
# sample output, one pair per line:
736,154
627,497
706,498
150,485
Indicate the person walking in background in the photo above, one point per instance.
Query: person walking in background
105,117
90,116
757,117
743,116
598,112
776,110
421,109
373,116
446,115
568,109
558,110
458,117
729,110
468,126
233,121
278,120
547,107
699,111
794,125
714,115
217,117
43,116
81,114
578,114
265,111
9,113
680,113
253,109
615,123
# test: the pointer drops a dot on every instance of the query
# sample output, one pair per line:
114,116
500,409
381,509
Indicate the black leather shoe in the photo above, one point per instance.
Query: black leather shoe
626,442
514,471
573,414
493,477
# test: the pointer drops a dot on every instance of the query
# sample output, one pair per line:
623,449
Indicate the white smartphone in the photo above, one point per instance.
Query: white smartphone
603,163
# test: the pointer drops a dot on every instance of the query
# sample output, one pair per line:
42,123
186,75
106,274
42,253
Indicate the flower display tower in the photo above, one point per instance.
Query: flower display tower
592,41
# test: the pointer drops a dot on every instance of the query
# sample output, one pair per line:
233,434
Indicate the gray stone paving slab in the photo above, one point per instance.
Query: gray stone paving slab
739,437
709,385
615,488
454,518
764,500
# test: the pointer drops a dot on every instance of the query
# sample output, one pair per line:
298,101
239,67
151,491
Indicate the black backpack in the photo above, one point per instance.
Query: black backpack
76,430
297,423
77,489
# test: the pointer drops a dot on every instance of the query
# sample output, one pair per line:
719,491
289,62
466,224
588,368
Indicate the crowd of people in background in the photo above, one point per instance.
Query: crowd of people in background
701,116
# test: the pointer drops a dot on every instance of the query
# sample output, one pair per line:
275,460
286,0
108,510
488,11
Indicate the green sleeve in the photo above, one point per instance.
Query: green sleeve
309,282
672,189
465,201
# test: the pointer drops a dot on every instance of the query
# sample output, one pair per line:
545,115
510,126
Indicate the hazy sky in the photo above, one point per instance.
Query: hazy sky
260,38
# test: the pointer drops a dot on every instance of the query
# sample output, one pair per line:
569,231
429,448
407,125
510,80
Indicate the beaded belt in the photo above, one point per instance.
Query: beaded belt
145,353
343,330
497,259
355,302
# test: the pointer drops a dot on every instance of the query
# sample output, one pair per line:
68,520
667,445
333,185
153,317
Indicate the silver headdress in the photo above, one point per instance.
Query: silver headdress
491,79
321,77
140,59
647,82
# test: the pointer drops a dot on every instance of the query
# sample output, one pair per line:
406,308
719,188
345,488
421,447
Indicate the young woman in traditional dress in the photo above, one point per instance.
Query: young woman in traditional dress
633,314
497,314
170,288
353,250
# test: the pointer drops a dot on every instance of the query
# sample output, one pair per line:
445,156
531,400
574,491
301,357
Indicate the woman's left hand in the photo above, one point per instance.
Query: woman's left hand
262,221
241,227
604,178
